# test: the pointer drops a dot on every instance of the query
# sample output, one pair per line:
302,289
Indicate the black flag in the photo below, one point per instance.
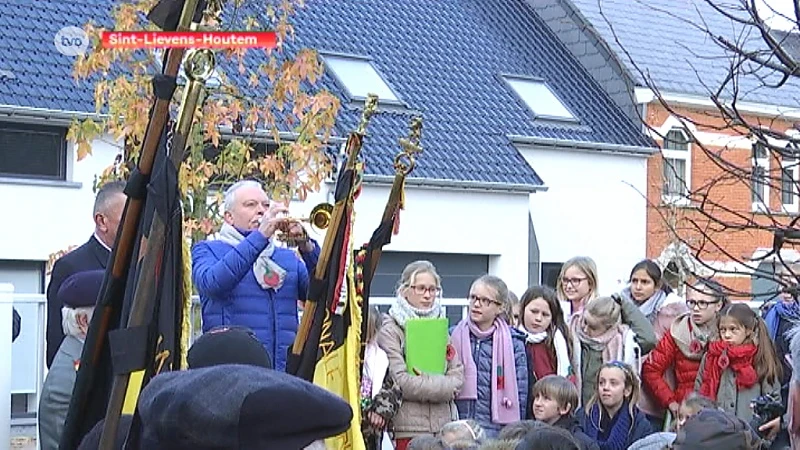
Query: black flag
152,348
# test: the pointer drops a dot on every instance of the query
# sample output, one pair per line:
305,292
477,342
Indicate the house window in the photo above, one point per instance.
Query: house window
550,273
758,178
360,78
677,164
540,99
789,180
33,151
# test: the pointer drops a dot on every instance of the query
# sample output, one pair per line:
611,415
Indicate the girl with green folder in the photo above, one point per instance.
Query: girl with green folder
428,395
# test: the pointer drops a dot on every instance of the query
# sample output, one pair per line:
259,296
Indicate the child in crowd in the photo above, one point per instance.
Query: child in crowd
546,335
555,399
493,355
380,394
576,285
611,418
669,372
599,336
741,366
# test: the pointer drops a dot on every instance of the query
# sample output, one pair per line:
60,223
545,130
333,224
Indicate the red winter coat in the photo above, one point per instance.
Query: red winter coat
667,355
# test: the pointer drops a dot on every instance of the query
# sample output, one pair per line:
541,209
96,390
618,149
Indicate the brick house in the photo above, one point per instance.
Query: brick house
708,197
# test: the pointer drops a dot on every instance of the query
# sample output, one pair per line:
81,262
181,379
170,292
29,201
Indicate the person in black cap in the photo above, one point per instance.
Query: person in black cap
713,428
228,345
237,407
78,294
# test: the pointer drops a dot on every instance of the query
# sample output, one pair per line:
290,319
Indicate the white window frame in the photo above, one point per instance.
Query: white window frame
682,155
763,163
517,84
391,95
791,165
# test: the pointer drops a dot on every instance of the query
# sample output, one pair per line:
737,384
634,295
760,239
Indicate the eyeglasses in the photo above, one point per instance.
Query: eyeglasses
483,301
700,304
421,290
572,281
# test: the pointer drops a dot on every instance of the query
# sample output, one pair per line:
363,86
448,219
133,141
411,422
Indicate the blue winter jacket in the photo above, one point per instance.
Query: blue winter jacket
480,410
230,294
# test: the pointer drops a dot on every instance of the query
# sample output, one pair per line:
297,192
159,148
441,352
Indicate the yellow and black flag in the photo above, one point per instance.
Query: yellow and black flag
329,347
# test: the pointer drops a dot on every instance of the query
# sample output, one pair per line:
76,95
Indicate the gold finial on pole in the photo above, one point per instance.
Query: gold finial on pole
404,161
370,106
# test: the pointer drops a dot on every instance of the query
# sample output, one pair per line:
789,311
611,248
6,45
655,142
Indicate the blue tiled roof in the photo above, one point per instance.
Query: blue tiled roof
443,57
667,41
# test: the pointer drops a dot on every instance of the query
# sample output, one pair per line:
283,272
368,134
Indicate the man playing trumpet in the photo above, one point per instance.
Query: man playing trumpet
244,279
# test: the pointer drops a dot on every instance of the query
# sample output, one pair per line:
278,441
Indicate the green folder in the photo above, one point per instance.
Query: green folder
426,345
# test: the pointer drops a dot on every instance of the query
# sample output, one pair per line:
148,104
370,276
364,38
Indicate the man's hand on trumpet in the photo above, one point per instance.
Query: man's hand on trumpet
271,220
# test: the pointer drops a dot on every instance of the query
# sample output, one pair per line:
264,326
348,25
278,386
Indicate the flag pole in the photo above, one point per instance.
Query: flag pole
199,67
110,301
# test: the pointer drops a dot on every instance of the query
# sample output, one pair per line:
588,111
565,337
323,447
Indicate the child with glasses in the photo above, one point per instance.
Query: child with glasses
601,333
428,399
495,390
669,371
576,285
611,417
741,366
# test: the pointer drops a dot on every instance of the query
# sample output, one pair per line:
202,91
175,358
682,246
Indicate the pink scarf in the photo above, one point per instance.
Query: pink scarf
504,394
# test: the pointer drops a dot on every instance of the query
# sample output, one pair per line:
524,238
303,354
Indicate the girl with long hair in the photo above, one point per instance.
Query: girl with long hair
547,338
611,417
741,366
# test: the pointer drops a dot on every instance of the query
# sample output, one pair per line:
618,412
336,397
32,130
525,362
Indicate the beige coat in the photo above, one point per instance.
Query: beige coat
427,399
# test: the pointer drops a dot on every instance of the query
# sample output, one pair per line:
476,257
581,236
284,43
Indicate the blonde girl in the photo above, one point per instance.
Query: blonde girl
495,390
577,284
611,417
741,366
428,399
600,336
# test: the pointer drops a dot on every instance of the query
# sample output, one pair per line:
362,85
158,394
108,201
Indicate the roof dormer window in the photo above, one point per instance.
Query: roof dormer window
360,78
539,98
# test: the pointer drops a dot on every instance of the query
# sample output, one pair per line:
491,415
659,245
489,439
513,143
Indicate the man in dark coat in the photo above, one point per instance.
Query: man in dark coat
93,255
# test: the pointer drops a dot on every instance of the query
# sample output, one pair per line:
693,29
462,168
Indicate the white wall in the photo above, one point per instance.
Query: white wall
595,206
450,221
42,219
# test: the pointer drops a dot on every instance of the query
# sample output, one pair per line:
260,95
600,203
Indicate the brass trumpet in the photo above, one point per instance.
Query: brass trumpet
319,219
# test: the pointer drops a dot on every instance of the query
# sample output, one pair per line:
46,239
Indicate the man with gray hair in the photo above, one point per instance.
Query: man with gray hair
78,294
244,279
94,254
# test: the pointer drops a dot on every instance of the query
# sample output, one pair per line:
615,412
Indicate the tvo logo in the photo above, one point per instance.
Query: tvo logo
71,41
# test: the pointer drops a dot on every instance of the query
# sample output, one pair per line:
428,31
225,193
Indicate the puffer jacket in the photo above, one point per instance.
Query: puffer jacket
230,294
668,357
427,399
480,410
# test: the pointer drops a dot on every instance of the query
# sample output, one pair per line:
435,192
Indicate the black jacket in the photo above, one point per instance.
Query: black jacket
90,256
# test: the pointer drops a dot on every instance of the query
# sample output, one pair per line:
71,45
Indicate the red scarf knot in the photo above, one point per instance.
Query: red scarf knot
722,356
